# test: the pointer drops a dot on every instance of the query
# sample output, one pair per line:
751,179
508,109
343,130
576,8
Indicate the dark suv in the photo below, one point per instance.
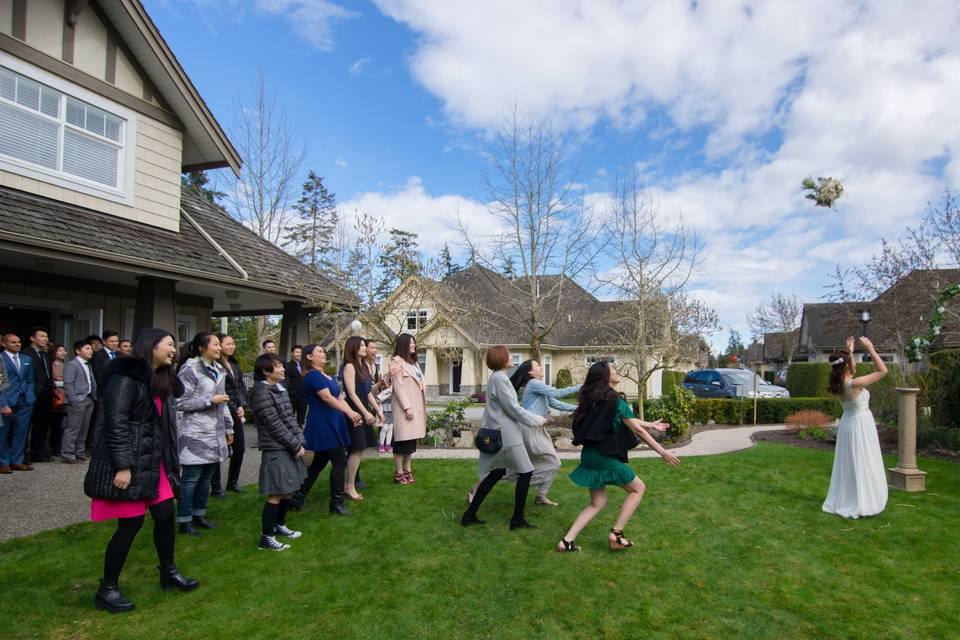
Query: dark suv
730,383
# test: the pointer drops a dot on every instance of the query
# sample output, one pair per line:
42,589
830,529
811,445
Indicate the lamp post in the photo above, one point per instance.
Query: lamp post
864,321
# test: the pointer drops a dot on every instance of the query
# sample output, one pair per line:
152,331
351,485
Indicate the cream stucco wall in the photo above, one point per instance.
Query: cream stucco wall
158,147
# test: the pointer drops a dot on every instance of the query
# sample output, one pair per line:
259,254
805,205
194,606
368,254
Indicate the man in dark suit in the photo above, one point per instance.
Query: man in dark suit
17,405
43,388
294,383
110,341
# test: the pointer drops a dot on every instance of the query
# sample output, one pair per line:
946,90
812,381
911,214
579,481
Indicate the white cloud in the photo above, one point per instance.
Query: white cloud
343,164
311,20
411,208
357,67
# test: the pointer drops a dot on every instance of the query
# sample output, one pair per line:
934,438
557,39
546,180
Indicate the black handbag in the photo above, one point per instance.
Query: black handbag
488,441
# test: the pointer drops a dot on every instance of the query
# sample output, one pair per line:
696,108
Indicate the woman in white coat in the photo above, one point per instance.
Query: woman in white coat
504,413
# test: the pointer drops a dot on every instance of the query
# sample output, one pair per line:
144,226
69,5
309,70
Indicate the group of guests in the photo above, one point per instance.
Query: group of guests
50,397
168,425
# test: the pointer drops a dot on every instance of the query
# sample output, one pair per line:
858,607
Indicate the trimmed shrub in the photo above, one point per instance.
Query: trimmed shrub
677,409
942,386
809,379
769,410
807,418
883,394
564,379
671,380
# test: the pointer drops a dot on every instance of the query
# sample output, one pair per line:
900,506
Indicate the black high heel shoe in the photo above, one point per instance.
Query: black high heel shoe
620,542
171,578
109,599
567,546
521,524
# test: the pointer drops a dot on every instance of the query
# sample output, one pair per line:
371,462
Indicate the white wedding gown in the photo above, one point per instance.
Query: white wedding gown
858,486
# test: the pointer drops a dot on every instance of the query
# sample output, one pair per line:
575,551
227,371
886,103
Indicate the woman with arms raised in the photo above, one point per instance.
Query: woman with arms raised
858,484
135,464
604,424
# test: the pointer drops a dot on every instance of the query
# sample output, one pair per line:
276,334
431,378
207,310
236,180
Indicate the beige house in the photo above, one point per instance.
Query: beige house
97,122
457,319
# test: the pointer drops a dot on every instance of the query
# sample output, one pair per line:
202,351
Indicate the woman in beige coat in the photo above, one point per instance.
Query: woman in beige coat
409,406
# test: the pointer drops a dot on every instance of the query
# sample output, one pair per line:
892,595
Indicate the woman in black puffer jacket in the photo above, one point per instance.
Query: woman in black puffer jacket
135,465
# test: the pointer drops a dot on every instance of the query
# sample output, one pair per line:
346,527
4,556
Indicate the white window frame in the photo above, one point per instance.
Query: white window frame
593,358
547,368
420,318
189,324
125,178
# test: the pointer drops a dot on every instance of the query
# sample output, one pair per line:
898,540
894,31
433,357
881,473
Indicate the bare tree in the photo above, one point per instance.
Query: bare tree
542,227
273,151
780,313
657,322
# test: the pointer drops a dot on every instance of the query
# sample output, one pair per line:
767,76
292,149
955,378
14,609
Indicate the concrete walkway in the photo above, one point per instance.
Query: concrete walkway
51,496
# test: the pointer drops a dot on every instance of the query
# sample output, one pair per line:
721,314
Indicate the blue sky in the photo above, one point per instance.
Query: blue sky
725,106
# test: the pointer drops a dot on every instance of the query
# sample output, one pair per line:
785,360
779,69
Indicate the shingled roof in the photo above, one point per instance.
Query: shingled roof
236,257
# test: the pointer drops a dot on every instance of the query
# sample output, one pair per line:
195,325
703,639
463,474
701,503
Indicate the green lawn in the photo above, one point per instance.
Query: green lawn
733,547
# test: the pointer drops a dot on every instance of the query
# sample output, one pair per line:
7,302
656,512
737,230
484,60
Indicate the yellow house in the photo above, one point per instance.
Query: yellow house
457,319
97,122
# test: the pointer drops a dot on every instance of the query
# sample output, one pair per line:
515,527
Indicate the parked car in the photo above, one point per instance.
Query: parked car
730,383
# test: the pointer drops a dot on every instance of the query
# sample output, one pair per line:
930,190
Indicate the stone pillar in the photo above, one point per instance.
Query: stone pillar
156,305
906,475
468,374
430,376
294,327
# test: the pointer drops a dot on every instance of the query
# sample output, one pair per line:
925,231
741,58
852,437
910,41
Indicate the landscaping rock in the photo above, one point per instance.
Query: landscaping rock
465,441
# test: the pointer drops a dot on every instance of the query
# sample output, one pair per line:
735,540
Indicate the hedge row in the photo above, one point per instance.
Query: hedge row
670,380
942,386
769,410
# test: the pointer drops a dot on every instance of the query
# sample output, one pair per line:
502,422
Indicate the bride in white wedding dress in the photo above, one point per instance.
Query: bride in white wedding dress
858,485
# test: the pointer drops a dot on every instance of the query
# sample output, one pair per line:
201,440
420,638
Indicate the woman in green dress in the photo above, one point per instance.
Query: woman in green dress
606,427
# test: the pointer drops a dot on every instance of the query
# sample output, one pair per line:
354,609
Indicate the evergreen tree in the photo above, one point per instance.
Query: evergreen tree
508,268
197,181
311,237
446,262
735,348
399,259
471,257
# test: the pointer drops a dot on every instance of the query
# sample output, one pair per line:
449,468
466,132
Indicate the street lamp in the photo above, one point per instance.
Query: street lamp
356,325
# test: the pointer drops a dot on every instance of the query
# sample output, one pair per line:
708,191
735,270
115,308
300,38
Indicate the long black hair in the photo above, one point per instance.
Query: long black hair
596,391
224,359
351,355
840,363
403,348
522,375
199,342
164,381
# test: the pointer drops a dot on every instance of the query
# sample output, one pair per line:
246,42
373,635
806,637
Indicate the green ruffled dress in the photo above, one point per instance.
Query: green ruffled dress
597,470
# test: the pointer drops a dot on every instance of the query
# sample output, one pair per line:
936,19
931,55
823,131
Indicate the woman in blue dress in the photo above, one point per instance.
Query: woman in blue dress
326,431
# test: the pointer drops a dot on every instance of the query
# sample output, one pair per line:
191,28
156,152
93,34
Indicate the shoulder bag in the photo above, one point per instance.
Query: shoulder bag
488,441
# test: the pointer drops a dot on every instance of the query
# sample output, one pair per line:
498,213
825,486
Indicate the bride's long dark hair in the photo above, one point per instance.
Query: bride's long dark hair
596,390
840,362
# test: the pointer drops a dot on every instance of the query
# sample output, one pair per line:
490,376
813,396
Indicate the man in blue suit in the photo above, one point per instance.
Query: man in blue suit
17,405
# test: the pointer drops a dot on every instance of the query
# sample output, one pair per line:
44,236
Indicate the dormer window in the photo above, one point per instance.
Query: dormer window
416,319
53,132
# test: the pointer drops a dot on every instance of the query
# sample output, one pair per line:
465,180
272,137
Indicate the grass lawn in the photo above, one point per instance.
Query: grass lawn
734,546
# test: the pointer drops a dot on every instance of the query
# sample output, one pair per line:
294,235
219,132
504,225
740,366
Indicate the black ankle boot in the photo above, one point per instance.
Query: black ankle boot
187,529
203,523
296,501
171,578
467,520
520,523
336,505
110,599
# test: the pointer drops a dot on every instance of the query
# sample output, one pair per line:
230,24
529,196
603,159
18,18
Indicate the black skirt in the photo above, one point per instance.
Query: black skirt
362,437
405,447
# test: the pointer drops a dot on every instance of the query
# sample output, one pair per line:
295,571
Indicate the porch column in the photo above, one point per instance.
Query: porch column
430,379
294,327
468,373
156,305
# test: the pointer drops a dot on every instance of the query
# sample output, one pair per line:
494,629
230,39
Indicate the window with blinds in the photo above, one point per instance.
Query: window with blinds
43,127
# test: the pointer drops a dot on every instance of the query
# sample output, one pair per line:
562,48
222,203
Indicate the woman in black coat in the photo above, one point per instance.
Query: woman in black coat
237,390
135,465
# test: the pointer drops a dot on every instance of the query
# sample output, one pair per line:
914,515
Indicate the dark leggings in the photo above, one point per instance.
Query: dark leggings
519,496
236,458
127,529
337,457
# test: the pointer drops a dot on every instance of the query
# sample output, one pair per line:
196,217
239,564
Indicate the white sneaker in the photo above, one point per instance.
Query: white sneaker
270,544
283,530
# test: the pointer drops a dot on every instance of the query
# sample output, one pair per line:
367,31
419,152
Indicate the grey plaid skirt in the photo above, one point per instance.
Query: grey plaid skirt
280,473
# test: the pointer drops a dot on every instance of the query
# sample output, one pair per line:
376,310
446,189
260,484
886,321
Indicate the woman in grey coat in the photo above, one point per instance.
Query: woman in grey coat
503,412
205,428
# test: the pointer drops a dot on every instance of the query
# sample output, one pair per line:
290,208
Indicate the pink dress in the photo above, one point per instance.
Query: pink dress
101,509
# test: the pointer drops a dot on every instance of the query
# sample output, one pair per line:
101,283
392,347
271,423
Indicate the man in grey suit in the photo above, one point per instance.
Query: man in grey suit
80,389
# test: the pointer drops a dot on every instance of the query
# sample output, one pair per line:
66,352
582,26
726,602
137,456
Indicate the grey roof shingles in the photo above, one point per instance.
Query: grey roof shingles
30,218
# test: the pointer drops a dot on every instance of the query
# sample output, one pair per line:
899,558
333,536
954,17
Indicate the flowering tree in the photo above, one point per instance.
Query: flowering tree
825,191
